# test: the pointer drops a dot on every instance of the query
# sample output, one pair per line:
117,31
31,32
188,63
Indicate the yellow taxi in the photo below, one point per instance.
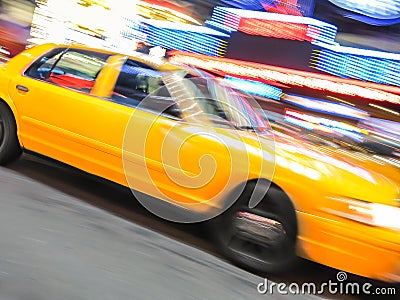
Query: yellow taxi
192,150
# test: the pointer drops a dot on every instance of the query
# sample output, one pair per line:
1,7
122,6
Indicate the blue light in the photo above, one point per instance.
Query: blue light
254,87
373,66
336,127
327,107
141,71
220,27
246,4
301,123
191,38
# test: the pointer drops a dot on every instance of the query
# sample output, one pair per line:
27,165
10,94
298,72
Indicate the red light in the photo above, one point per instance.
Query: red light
255,71
275,29
287,7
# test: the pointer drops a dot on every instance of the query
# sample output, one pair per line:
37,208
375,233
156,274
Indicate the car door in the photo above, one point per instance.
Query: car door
172,153
63,113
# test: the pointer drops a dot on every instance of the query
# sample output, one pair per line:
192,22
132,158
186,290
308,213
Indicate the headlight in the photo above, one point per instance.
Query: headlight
374,214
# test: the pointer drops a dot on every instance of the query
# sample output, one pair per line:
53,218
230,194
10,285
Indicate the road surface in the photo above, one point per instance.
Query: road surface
68,235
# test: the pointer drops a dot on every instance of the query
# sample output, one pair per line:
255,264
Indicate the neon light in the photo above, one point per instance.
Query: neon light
184,37
219,27
374,66
242,13
246,4
328,107
323,124
254,87
323,121
310,126
358,51
301,123
294,7
262,23
288,7
71,21
184,27
275,29
288,76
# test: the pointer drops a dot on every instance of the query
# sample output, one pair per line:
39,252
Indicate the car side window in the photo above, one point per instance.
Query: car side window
140,85
71,68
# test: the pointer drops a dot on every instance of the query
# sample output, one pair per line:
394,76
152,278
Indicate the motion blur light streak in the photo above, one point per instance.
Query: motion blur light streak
221,27
375,66
184,37
274,25
340,100
324,125
100,24
298,168
324,106
254,87
291,7
324,121
287,76
385,109
361,52
246,4
318,121
374,214
301,123
164,10
322,159
384,126
275,29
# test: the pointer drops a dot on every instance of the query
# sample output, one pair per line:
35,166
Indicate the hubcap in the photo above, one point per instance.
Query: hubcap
257,237
258,229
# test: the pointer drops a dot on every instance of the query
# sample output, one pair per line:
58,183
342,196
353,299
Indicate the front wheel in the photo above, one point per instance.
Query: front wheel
261,239
10,148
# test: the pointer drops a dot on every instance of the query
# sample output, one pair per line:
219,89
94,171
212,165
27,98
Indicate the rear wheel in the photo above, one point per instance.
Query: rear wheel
10,148
262,238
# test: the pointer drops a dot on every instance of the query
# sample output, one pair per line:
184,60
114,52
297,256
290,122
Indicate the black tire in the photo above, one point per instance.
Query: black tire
274,256
10,148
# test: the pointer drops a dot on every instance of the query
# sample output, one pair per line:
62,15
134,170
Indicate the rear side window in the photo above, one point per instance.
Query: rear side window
70,68
138,81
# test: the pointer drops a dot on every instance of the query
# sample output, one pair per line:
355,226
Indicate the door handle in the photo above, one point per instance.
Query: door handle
22,88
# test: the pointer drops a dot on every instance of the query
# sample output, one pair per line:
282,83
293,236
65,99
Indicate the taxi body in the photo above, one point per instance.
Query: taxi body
107,114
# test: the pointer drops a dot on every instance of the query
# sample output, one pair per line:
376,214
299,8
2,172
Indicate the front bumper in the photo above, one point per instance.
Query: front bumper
350,246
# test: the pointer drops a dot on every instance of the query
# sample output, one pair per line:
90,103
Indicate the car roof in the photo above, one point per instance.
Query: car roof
155,62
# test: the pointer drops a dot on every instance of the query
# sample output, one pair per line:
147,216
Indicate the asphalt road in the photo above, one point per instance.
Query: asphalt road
65,234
